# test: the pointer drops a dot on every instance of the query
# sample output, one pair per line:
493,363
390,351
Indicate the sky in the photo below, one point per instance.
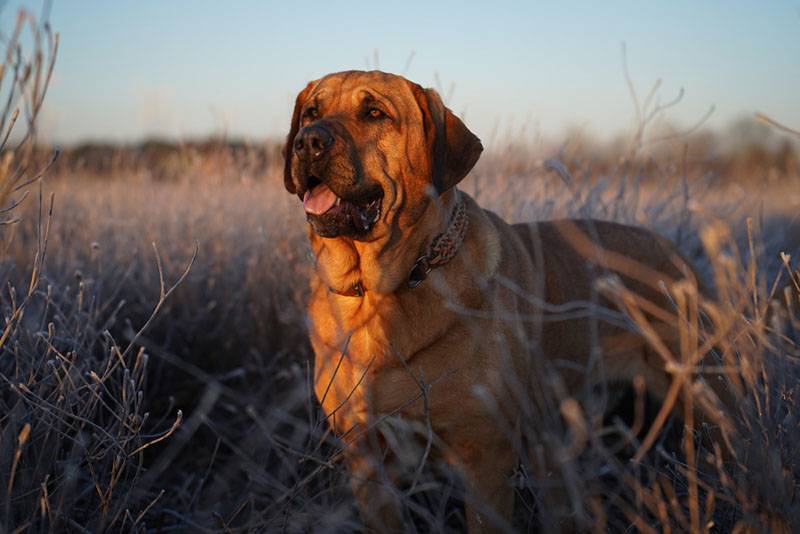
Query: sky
129,69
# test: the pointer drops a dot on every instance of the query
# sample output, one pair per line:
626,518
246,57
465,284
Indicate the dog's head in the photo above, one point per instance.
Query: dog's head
368,150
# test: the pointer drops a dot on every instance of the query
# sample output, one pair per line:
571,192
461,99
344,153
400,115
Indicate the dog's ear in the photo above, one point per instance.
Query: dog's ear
287,147
453,149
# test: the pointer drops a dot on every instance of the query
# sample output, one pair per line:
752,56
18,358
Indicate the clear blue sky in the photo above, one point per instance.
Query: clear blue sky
129,69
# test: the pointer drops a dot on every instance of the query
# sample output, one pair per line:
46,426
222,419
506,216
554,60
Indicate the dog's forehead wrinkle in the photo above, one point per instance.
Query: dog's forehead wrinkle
370,93
332,88
350,88
316,100
319,93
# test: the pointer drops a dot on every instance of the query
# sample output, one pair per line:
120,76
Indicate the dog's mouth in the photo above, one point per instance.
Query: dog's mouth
332,215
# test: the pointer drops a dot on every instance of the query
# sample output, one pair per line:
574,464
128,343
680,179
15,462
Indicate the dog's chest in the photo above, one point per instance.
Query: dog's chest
355,351
345,376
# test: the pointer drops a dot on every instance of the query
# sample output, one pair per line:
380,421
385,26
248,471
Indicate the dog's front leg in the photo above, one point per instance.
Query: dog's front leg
489,503
379,502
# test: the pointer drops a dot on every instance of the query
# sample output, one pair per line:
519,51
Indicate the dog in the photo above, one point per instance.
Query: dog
426,308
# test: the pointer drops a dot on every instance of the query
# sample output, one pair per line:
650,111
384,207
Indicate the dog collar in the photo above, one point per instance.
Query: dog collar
441,250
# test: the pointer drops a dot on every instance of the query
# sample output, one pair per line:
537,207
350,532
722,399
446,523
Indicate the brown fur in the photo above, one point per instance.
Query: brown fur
460,335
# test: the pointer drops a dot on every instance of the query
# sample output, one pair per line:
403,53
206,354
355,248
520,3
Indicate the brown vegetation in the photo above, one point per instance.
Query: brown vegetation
229,350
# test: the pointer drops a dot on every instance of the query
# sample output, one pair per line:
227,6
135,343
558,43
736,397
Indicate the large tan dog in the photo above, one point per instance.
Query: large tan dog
427,308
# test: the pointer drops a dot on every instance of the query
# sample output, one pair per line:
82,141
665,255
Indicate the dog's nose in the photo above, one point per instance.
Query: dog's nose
312,142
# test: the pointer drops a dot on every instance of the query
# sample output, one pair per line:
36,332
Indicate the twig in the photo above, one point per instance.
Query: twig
163,293
761,117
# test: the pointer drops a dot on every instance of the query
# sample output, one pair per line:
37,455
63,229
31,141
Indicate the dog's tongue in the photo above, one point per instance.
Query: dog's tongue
319,200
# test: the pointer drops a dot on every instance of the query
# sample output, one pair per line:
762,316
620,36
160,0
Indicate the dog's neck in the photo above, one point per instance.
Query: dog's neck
386,264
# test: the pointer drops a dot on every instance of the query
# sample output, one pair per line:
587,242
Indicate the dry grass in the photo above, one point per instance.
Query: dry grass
208,420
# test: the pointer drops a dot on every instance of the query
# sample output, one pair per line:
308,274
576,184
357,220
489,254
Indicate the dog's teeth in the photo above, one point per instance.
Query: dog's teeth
364,220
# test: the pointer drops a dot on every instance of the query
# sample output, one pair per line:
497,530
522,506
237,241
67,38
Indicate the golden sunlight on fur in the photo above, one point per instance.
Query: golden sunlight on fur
408,374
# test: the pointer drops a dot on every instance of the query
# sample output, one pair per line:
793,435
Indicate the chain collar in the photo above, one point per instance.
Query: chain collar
441,250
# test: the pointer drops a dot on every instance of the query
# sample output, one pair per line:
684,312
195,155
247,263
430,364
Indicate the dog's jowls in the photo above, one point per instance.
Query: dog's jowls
376,161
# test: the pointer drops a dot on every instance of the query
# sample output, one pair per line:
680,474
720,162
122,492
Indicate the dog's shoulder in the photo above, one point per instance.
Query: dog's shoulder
484,242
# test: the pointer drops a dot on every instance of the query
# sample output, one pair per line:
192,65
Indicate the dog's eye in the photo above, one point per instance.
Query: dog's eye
374,113
311,113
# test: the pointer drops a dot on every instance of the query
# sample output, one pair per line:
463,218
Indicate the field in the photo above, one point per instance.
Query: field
155,370
205,419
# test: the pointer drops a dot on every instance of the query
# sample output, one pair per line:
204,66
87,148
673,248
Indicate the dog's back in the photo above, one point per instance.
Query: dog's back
572,258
